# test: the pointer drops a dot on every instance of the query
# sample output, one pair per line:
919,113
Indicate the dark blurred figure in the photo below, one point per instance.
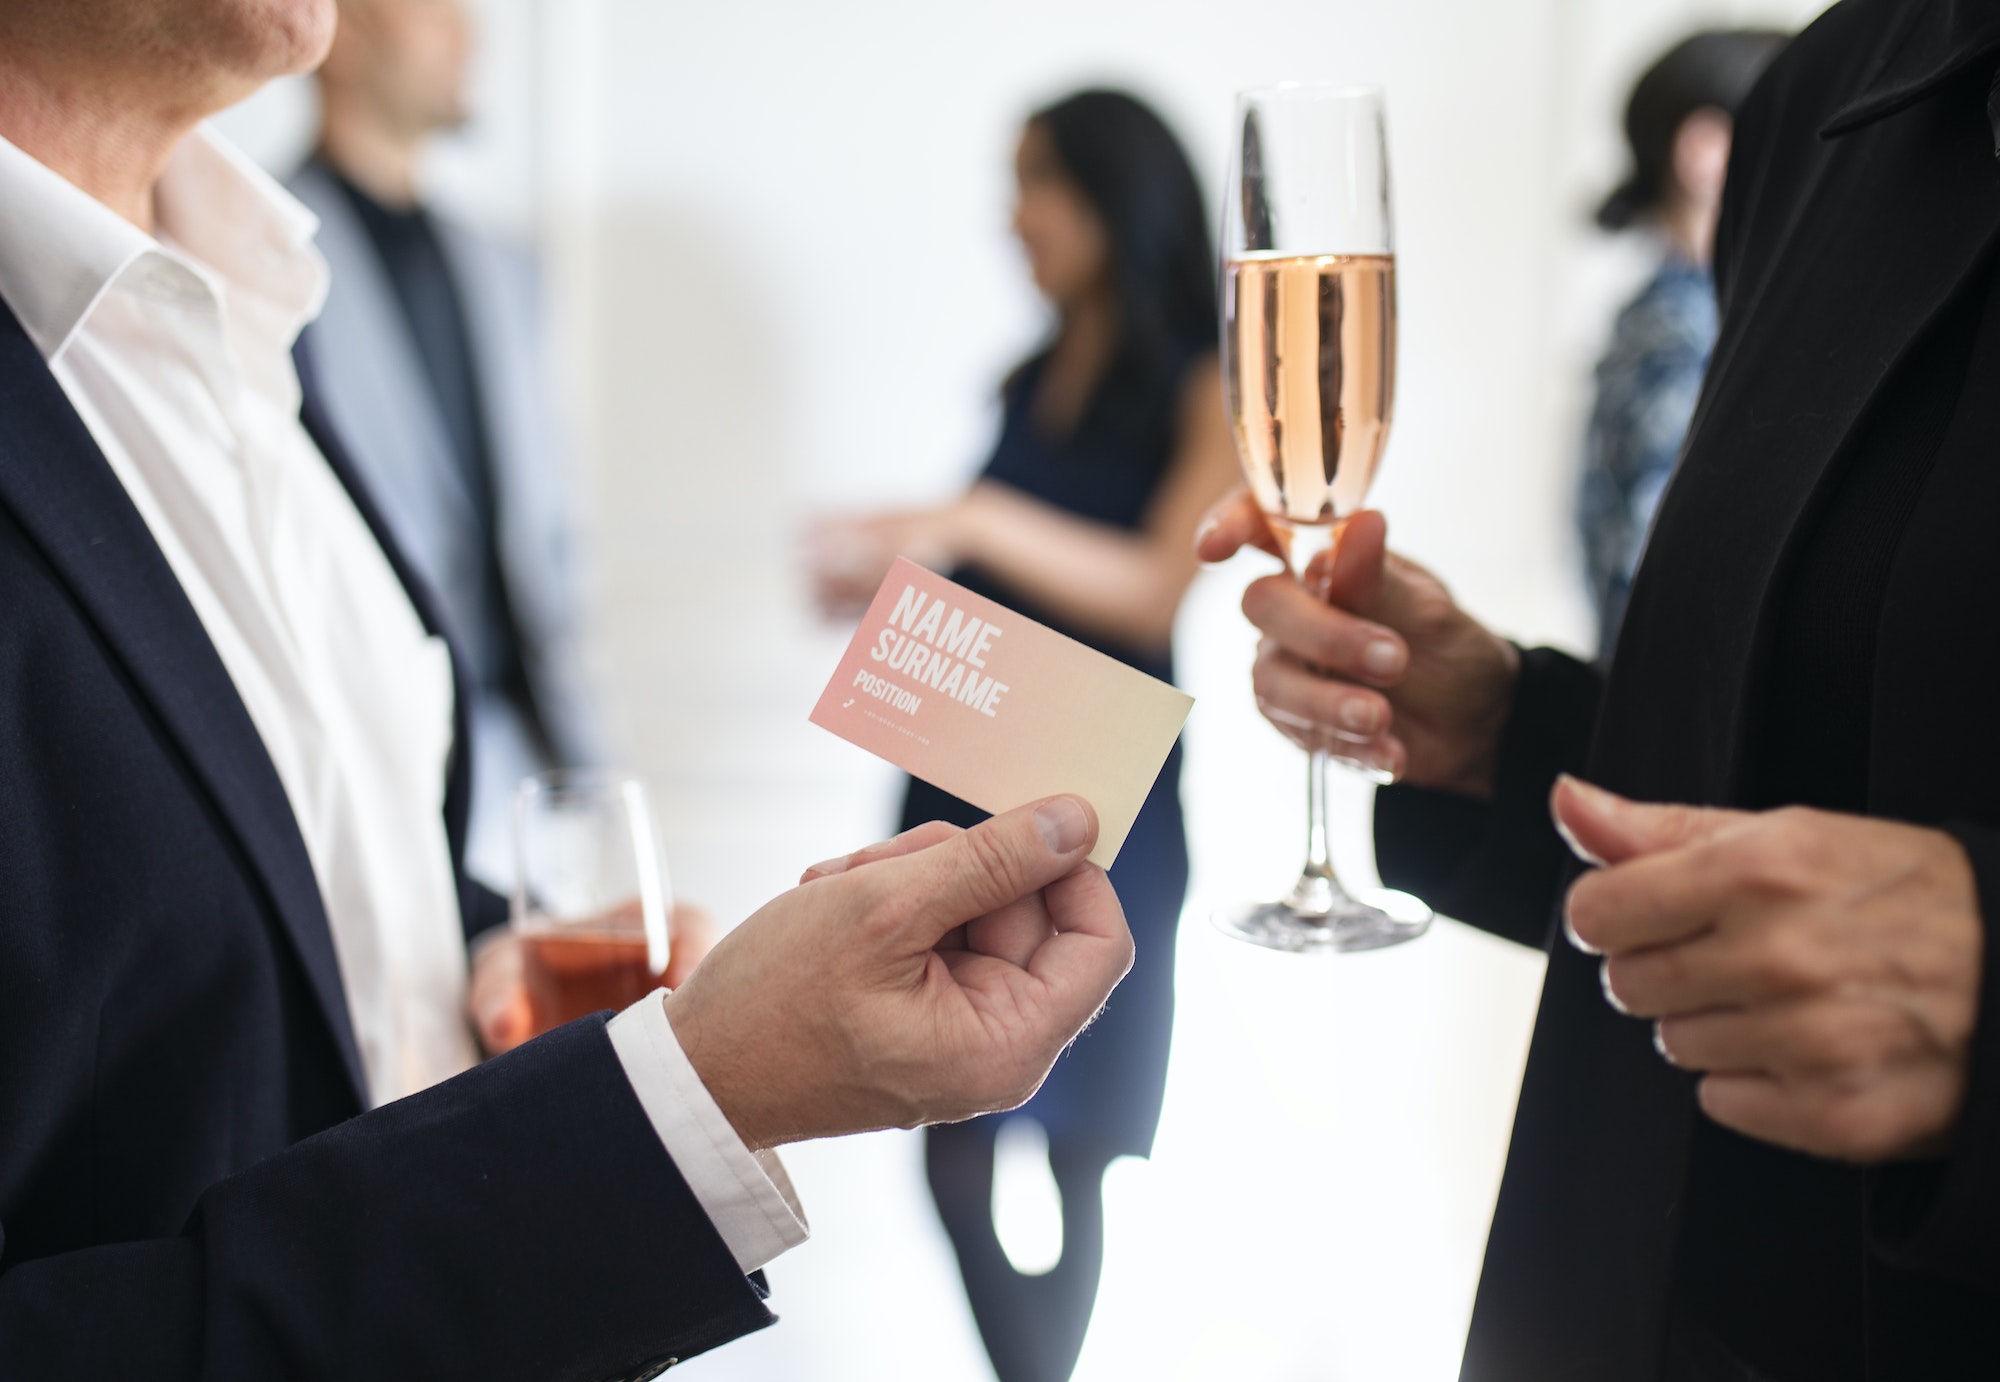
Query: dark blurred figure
429,360
1677,123
1113,442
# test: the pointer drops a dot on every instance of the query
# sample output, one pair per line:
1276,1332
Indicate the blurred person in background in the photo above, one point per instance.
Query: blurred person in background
429,359
1112,444
1677,125
1758,1133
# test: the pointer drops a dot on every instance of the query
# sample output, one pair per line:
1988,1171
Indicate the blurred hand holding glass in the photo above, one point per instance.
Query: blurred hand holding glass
1309,371
590,898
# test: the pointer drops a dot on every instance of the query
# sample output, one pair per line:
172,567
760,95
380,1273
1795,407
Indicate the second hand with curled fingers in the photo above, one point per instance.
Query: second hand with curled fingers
1820,970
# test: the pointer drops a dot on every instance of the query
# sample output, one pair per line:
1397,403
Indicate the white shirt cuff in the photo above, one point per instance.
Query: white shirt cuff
746,1194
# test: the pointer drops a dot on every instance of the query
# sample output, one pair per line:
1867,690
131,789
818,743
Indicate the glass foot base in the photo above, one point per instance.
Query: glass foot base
1373,921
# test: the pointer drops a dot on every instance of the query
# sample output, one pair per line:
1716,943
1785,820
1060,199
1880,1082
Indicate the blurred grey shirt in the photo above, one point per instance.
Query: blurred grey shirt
1647,385
429,360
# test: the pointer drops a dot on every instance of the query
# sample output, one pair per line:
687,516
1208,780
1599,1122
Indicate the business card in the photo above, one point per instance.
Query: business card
997,709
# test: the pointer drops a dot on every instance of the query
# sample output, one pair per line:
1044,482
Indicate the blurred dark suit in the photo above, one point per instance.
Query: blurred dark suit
430,362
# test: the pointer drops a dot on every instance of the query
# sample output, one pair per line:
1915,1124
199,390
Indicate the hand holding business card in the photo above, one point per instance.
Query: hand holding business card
997,709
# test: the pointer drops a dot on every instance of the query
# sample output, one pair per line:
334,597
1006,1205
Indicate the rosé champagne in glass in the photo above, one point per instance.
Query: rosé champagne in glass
1309,374
590,900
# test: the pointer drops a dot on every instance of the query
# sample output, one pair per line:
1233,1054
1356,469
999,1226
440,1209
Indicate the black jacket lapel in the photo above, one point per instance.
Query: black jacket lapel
57,483
1938,40
1893,221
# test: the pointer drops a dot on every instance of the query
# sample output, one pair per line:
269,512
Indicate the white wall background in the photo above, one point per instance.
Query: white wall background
777,238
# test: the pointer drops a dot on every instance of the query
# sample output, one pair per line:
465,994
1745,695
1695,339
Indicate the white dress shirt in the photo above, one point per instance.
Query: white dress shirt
176,353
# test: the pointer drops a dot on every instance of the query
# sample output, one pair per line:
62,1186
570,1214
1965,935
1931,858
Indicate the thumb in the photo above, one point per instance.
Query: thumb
1605,828
1349,573
1231,524
501,1011
996,862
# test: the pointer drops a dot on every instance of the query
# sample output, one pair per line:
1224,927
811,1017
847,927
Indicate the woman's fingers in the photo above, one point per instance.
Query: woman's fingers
1325,636
1355,724
1233,524
1285,685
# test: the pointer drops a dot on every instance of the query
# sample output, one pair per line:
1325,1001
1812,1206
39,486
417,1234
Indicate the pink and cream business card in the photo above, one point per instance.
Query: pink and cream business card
997,709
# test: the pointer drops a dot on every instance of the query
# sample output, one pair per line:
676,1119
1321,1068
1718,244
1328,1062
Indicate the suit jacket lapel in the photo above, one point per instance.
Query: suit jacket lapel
66,496
1938,40
1830,310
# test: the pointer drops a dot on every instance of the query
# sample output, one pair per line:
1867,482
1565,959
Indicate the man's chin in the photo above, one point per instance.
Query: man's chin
282,38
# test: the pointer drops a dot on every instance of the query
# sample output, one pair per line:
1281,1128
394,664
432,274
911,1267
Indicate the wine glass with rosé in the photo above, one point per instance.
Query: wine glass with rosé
590,901
1309,371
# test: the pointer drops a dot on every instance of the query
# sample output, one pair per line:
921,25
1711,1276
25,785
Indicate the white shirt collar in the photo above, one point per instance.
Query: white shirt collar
225,220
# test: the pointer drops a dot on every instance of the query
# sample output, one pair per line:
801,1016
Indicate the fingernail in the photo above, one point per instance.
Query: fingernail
1578,941
1576,846
1660,1044
1208,525
1363,717
1371,767
1604,982
1063,824
1593,795
839,865
1382,658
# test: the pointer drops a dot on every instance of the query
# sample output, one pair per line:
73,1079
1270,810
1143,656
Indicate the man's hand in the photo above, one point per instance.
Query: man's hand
497,995
926,980
1380,668
1823,969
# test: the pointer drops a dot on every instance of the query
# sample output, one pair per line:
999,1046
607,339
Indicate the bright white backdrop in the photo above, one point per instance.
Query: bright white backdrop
781,277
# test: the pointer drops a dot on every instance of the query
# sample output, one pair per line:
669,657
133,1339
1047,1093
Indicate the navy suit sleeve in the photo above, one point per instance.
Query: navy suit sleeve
1944,1216
1498,864
520,1223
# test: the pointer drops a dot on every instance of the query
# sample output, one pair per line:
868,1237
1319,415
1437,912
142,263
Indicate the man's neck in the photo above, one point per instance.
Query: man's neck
107,144
378,160
1690,229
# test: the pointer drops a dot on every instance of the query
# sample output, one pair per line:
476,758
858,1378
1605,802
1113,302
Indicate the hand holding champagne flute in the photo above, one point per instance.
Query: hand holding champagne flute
1308,363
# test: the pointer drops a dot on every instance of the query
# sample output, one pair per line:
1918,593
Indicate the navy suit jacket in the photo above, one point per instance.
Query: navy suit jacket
189,1187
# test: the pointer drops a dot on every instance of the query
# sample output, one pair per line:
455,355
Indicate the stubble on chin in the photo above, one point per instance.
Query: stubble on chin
172,53
260,40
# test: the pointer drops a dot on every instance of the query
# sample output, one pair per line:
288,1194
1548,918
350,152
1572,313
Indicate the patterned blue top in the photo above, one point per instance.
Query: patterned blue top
1647,384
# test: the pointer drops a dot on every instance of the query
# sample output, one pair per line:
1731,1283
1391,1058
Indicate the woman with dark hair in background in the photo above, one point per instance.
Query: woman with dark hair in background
1677,122
1113,443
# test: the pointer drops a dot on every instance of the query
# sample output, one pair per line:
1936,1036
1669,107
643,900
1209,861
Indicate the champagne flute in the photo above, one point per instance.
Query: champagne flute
590,899
1309,370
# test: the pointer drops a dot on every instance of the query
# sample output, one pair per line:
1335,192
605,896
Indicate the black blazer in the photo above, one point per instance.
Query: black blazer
1863,193
188,1186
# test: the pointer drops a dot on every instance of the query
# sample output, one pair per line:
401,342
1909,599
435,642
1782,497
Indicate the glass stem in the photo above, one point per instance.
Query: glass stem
1318,893
1319,849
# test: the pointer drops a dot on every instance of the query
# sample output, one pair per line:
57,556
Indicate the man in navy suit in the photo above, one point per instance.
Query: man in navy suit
241,1132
